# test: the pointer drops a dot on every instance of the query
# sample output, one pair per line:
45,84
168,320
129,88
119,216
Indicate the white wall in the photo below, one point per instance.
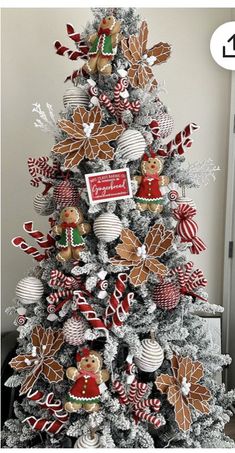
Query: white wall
198,90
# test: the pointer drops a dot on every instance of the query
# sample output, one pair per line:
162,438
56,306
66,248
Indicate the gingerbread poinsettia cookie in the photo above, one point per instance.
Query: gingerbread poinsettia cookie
45,344
141,59
143,256
184,391
86,137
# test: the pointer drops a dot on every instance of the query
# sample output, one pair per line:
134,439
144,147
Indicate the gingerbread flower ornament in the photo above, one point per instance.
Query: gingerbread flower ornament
45,344
86,137
141,60
184,391
143,257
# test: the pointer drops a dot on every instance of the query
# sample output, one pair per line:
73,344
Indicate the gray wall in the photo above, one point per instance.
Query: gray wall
198,90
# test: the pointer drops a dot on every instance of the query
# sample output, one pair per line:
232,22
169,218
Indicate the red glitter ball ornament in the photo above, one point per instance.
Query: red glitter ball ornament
65,194
166,295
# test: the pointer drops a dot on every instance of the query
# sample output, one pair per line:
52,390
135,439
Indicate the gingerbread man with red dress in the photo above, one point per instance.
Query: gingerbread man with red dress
148,196
87,377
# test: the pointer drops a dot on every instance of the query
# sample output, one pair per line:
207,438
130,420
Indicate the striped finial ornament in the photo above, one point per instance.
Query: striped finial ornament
107,227
131,145
151,357
76,96
43,204
167,295
29,290
88,441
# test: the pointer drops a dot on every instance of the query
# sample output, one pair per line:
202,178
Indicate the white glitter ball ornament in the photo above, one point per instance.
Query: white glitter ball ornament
76,97
29,290
131,145
43,204
185,200
74,330
107,227
151,357
88,441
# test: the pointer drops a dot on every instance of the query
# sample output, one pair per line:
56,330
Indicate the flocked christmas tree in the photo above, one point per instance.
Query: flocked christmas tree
111,350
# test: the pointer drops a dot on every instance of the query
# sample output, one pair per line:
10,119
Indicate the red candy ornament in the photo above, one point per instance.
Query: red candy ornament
187,228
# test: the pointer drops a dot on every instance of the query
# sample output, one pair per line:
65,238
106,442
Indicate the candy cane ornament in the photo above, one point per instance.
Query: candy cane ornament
139,409
39,168
54,407
29,250
119,388
181,140
141,415
132,391
118,305
189,281
44,242
82,305
122,310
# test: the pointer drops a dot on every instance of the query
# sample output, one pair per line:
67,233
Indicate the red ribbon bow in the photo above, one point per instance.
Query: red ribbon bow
85,353
149,175
104,31
65,225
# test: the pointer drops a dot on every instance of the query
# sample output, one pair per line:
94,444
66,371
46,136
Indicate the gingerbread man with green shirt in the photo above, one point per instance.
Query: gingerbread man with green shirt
71,229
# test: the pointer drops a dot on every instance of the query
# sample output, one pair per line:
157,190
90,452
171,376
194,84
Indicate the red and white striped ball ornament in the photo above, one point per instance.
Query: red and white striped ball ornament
76,96
163,126
151,357
166,295
44,204
29,290
74,330
65,194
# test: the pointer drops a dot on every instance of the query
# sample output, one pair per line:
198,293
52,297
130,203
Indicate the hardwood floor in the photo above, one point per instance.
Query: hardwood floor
230,428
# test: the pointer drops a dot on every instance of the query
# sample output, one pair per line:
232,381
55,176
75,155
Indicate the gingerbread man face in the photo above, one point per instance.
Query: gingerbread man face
71,214
110,23
91,362
152,166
